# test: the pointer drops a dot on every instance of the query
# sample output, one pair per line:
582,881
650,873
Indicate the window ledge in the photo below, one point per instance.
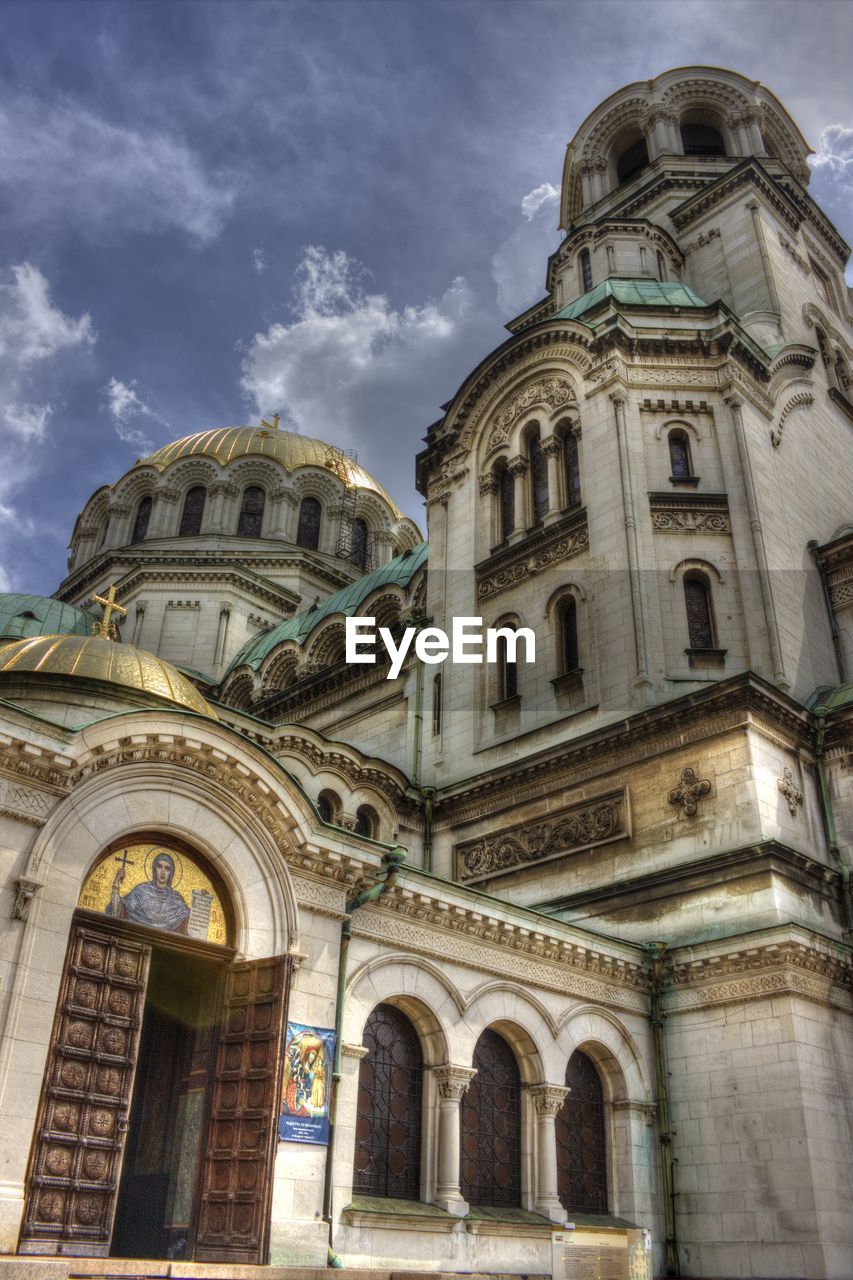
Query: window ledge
385,1213
485,1221
569,681
687,482
698,657
506,703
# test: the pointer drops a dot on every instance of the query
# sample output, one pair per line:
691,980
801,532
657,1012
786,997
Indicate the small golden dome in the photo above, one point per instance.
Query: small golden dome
96,658
292,450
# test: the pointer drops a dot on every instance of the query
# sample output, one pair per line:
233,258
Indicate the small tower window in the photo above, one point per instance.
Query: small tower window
573,473
328,805
702,140
506,495
308,531
143,516
679,455
359,543
586,270
251,512
700,620
366,822
567,621
538,479
661,266
507,672
436,706
193,512
632,161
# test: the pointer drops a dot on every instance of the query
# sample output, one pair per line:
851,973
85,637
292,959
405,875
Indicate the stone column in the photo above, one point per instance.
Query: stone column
452,1083
489,495
282,502
547,1100
552,447
630,508
161,517
518,468
116,535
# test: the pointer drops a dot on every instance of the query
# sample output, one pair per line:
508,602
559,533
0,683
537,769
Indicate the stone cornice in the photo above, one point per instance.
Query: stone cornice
385,779
540,550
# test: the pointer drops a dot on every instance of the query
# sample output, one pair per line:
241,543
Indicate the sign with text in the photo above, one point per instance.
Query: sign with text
308,1056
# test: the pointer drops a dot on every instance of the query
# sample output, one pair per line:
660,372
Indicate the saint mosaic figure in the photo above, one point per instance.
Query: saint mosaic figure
154,902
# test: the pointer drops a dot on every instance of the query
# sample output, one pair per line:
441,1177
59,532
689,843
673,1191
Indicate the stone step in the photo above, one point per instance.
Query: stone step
42,1268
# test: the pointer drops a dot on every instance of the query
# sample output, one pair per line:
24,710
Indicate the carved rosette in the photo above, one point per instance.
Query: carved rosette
548,1098
689,792
790,791
453,1081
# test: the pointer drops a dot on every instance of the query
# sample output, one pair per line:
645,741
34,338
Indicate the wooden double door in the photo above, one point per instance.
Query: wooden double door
157,1124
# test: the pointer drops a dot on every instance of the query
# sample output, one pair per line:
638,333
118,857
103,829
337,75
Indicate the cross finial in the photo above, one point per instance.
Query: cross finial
106,628
271,426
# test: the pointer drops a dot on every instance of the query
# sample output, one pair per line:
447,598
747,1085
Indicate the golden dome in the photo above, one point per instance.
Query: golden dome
96,658
292,450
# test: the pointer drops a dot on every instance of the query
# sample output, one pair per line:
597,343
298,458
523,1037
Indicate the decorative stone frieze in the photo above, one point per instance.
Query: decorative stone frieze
687,514
786,966
559,542
552,392
802,398
689,792
790,790
597,822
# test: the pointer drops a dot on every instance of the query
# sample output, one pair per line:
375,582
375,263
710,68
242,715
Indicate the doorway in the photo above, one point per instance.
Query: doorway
156,1206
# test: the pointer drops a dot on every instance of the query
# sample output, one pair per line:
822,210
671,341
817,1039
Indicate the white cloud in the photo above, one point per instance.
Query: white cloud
518,266
259,261
71,164
835,152
330,368
125,406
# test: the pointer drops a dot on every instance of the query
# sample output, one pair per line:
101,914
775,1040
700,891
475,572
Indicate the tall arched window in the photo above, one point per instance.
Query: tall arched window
193,512
573,471
700,618
586,270
538,478
328,806
702,140
308,530
632,160
581,1141
366,821
661,266
567,622
388,1110
679,455
251,512
491,1126
358,554
506,497
143,516
436,706
507,672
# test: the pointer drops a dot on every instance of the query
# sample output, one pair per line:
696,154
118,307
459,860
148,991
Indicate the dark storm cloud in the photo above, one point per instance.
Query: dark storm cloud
172,175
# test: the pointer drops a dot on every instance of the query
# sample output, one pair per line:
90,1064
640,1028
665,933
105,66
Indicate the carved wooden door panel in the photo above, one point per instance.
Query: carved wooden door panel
82,1119
233,1218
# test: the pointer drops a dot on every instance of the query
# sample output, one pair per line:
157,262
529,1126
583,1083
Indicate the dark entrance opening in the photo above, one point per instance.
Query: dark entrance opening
157,1199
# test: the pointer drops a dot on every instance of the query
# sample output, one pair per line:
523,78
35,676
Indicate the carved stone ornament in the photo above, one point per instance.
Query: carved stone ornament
790,791
560,542
581,827
25,891
801,399
552,392
488,483
690,517
548,1098
689,792
453,1081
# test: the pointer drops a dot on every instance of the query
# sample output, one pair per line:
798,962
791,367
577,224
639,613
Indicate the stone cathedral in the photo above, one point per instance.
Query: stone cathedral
508,969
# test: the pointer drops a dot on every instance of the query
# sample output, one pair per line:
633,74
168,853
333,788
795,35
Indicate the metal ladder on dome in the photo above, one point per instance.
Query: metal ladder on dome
342,462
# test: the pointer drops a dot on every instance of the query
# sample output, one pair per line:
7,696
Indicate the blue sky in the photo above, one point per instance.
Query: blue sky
215,210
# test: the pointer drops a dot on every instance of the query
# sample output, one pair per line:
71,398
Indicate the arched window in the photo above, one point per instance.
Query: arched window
586,270
506,497
632,160
388,1111
143,516
328,805
567,621
366,821
538,478
358,554
507,672
308,530
661,266
193,512
679,455
573,471
491,1126
581,1141
251,512
436,706
700,619
702,140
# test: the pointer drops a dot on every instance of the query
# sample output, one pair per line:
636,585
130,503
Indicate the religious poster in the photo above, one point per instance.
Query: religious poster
308,1056
157,886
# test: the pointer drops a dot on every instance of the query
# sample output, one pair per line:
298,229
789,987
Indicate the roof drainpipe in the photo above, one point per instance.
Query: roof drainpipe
829,820
820,564
391,863
657,950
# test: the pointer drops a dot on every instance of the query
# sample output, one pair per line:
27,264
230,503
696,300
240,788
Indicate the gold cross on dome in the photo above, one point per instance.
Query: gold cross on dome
106,628
271,426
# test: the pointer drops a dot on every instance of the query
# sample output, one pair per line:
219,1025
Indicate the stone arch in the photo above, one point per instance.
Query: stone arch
239,691
415,986
327,648
281,669
540,394
699,566
520,1018
187,472
140,483
601,1035
678,424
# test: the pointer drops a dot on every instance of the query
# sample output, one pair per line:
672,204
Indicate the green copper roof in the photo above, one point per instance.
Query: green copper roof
397,572
635,293
22,616
831,699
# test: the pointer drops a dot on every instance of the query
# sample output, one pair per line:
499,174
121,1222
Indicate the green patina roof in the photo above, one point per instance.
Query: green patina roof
397,572
831,699
22,616
636,293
